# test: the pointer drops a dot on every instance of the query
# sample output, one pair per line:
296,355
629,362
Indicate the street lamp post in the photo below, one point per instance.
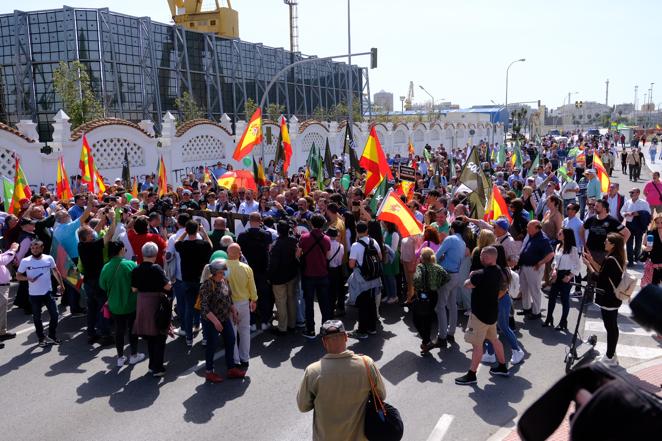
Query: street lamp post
505,133
402,104
423,89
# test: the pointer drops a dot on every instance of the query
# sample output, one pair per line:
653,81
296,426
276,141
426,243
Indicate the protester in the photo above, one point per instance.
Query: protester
565,266
337,387
5,278
244,297
282,273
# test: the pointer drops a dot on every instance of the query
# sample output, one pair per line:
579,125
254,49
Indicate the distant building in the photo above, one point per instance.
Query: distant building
587,115
384,100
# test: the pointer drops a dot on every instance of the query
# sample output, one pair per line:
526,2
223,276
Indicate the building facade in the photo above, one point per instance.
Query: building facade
384,100
139,67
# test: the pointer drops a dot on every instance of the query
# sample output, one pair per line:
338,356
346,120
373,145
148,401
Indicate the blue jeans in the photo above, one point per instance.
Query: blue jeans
562,288
180,306
319,285
212,336
389,287
191,316
505,303
37,302
96,297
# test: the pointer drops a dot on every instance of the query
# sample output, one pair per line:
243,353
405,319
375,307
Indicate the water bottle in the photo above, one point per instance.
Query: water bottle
649,240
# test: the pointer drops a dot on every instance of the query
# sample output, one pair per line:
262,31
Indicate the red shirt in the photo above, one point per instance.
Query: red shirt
138,240
315,245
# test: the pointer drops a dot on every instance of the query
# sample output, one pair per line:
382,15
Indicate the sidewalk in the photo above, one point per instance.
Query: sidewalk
647,375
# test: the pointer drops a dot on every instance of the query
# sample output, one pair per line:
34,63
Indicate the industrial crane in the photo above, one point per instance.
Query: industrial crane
223,21
410,96
294,26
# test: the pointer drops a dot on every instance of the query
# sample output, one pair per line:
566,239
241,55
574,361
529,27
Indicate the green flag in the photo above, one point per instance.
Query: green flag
534,165
427,154
501,156
378,196
563,173
517,153
349,151
7,192
328,162
279,159
451,166
474,178
312,162
344,182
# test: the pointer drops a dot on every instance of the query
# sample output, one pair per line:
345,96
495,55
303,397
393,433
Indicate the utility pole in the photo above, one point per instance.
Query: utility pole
350,89
636,95
607,92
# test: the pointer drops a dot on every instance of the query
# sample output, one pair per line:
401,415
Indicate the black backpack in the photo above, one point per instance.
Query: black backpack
372,266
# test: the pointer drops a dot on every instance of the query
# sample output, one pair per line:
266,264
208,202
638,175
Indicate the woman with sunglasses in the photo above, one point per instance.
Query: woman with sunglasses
609,275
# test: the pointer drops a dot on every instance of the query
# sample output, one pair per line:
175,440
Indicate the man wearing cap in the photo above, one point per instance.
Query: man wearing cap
500,227
337,388
637,214
593,187
187,203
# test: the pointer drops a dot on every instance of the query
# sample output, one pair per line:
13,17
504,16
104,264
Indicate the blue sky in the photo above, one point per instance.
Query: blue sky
459,49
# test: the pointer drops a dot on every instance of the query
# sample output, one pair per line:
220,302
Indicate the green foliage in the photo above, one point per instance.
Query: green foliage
274,111
72,84
187,107
250,107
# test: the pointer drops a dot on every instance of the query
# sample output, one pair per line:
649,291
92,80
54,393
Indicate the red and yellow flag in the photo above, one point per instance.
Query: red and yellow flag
374,161
411,148
101,186
21,189
497,207
306,177
395,211
86,164
162,180
134,188
251,137
258,173
62,187
287,145
206,177
405,188
602,174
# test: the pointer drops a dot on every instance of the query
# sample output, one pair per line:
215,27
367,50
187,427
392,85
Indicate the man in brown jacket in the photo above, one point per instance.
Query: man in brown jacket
339,395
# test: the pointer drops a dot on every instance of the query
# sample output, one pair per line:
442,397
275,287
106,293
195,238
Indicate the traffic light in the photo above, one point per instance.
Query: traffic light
373,58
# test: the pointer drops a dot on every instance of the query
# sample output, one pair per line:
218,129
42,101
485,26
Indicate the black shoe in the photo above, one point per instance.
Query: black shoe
562,326
53,341
468,378
309,334
512,324
501,370
450,338
243,365
533,316
107,340
524,312
2,345
441,343
548,323
7,336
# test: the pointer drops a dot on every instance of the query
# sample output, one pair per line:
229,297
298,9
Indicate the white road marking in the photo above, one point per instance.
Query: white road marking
638,352
441,428
597,326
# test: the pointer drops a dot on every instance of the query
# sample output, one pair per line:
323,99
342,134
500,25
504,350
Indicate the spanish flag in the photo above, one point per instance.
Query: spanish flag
251,137
395,211
258,173
287,145
134,188
86,164
21,190
306,188
206,177
405,188
411,148
100,184
62,187
162,180
516,157
374,161
497,206
603,176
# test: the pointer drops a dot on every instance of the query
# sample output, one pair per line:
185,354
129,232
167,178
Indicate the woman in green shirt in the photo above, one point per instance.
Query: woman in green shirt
115,279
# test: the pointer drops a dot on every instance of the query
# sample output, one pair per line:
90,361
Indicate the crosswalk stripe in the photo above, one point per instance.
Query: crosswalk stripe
638,352
597,326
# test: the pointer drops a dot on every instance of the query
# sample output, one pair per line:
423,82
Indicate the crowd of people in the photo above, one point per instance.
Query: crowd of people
183,266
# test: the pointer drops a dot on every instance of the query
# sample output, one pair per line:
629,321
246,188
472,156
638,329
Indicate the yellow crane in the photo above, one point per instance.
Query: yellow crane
410,96
223,21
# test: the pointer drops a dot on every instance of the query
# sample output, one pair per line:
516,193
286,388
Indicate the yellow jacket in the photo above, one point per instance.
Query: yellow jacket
241,281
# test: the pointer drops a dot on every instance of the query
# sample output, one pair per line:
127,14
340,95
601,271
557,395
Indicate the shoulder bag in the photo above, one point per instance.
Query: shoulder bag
382,421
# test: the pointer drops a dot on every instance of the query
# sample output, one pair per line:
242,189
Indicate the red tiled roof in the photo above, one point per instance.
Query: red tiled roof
14,131
78,132
188,125
310,122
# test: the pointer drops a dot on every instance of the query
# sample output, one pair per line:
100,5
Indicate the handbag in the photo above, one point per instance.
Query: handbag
163,313
624,290
382,421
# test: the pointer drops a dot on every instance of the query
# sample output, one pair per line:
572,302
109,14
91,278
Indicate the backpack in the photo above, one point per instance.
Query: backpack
372,267
625,288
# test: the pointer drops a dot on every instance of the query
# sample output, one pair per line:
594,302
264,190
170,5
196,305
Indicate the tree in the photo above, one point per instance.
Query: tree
320,113
249,108
187,107
72,84
274,111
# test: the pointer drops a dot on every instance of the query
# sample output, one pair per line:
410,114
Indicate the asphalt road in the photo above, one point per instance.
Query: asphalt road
75,390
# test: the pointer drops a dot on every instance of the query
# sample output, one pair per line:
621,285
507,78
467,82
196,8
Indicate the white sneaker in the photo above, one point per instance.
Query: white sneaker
613,361
121,361
136,358
517,357
488,358
180,332
253,328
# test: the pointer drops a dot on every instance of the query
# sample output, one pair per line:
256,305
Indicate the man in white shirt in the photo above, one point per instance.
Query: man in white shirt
335,257
570,188
365,301
37,269
249,205
636,212
616,201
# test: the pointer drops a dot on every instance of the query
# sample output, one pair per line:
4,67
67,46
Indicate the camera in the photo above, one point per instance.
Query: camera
162,205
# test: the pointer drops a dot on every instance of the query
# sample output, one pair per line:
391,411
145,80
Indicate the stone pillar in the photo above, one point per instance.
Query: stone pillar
28,128
226,122
147,126
168,129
